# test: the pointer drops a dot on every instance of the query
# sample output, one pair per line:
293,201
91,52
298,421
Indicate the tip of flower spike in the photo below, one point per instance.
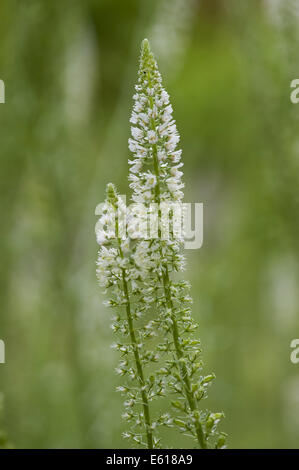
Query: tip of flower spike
111,193
147,59
145,45
146,49
110,187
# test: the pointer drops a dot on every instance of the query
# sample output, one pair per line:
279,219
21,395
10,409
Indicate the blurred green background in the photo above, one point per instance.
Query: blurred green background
69,68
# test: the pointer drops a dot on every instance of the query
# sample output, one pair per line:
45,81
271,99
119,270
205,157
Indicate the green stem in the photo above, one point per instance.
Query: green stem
141,381
175,331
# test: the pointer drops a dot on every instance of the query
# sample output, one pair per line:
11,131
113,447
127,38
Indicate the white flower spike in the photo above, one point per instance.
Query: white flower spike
153,322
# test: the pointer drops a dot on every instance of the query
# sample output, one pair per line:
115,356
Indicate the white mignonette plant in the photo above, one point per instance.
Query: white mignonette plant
160,355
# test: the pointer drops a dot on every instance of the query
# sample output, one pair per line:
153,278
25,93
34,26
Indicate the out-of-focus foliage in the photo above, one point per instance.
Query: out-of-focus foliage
69,71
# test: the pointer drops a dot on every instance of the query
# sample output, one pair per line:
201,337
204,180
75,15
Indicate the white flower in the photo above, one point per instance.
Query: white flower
132,145
141,152
167,115
125,245
174,184
172,129
151,180
141,257
101,237
143,119
136,133
138,107
175,156
163,130
147,195
162,155
134,118
172,142
152,137
165,97
107,219
136,168
153,112
174,171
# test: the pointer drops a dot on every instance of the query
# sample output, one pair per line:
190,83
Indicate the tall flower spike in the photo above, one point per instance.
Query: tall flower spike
121,270
156,177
